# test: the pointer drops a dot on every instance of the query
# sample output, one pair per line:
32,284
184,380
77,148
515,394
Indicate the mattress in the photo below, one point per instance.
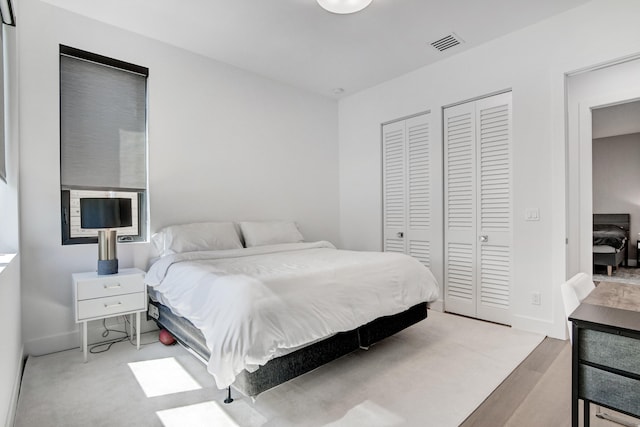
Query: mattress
255,304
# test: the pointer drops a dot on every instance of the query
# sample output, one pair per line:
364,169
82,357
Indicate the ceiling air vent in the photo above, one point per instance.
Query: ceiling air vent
447,42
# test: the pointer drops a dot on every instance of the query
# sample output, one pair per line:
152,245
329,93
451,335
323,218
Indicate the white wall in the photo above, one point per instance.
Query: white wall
224,144
532,62
616,170
10,307
12,350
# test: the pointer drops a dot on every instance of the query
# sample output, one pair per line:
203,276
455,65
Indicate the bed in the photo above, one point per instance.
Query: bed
611,240
263,306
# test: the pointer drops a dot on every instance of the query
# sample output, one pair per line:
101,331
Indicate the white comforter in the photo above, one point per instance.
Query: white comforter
255,304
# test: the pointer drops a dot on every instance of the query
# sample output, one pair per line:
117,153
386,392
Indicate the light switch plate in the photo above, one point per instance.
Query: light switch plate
532,214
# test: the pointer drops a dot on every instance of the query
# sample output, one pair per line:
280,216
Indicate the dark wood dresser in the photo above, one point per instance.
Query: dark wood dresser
606,350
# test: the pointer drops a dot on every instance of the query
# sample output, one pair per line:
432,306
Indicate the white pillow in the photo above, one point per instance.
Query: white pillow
200,236
270,233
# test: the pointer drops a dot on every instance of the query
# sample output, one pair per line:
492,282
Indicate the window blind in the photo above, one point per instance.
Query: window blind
103,139
102,125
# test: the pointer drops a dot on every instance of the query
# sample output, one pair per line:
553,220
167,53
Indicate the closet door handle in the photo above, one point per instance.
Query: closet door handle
400,234
484,238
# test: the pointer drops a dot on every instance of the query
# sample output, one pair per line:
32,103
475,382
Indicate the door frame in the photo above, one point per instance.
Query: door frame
579,177
584,244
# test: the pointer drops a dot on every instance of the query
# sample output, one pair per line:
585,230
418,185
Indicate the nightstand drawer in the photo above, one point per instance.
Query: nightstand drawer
110,306
109,286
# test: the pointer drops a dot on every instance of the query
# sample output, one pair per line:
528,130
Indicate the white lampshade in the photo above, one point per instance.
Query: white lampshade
344,6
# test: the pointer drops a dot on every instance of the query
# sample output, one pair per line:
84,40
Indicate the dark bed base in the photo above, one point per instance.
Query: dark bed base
284,368
613,260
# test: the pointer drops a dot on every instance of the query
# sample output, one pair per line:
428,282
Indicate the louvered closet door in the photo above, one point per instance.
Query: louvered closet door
419,189
394,186
407,187
478,225
493,128
460,209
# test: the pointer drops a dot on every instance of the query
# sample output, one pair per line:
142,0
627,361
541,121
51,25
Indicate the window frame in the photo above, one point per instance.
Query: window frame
65,190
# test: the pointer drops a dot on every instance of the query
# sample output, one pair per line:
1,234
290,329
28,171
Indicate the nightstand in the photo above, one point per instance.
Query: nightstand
98,297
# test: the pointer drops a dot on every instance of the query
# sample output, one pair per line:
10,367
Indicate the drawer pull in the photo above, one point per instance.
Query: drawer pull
112,286
112,305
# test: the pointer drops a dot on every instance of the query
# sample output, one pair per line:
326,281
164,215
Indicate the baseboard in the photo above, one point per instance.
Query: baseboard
13,404
538,326
69,340
51,344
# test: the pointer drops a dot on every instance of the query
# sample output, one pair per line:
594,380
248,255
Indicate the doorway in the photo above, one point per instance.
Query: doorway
616,174
589,91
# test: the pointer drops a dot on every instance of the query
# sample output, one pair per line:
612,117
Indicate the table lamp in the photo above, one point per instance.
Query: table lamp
105,215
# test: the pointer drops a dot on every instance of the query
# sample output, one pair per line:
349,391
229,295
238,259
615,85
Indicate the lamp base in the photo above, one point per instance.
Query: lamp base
107,266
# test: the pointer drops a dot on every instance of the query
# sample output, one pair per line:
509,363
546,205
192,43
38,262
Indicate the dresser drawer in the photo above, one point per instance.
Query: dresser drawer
111,306
615,351
610,389
109,286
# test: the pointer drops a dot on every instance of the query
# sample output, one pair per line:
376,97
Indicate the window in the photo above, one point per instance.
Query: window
103,139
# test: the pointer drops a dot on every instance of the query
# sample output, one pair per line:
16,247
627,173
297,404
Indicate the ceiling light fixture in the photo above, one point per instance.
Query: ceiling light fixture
344,7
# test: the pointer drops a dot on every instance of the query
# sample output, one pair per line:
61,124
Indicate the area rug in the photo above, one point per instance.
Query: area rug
621,275
434,373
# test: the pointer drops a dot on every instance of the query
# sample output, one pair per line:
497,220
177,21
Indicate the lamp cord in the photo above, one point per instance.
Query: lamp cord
106,345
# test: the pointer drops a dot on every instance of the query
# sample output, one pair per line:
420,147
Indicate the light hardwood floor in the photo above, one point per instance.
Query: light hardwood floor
537,393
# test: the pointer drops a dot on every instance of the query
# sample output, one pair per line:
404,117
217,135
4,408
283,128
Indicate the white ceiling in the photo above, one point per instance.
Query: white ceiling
297,42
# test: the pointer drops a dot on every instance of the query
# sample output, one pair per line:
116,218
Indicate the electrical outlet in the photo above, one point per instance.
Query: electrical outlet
153,311
535,298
